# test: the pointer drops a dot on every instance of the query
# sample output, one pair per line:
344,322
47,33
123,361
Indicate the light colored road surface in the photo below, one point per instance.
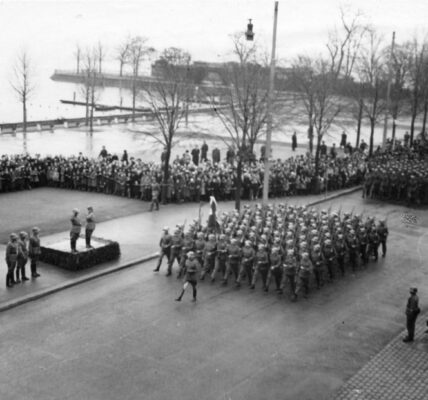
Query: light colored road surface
124,337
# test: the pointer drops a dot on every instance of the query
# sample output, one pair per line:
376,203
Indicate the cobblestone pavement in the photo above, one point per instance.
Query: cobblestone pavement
398,372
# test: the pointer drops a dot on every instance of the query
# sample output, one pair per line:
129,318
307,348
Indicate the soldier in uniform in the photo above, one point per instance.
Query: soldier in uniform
155,195
34,251
165,247
76,226
199,246
90,227
363,241
261,266
188,245
220,258
247,262
329,254
22,257
317,260
383,232
412,312
340,247
209,256
373,243
275,270
176,245
353,248
304,274
192,266
233,259
289,273
11,259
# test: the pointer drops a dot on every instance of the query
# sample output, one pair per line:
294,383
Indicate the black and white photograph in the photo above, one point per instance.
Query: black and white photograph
214,199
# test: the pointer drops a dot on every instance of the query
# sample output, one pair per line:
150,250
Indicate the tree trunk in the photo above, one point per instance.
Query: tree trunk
87,105
165,178
360,118
91,118
311,138
394,127
238,184
317,155
372,128
121,69
424,121
413,119
134,97
24,114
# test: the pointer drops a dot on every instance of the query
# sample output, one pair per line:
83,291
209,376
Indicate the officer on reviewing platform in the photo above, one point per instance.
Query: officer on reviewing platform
76,226
90,227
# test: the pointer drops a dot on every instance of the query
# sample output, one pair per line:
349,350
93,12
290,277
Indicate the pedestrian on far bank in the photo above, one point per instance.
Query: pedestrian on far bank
125,157
195,155
343,140
103,152
294,141
34,251
204,151
76,227
333,151
90,227
412,312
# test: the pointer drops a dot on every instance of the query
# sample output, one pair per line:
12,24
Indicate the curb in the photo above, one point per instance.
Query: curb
74,282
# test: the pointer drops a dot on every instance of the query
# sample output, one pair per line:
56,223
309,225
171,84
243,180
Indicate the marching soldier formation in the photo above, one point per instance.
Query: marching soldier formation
290,248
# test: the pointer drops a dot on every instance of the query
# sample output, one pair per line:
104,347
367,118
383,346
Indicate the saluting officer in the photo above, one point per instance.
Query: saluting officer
22,257
90,227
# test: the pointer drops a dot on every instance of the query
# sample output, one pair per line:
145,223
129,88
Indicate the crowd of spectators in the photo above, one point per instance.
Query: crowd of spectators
400,173
188,181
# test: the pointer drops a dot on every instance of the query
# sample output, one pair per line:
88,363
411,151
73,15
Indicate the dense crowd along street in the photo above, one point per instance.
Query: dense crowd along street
292,248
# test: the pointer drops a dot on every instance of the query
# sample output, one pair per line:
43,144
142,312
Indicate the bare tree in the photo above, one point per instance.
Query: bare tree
100,55
78,55
245,95
22,83
418,54
90,90
123,54
138,51
167,98
372,74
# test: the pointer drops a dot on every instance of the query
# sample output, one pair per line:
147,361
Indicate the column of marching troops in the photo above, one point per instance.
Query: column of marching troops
292,247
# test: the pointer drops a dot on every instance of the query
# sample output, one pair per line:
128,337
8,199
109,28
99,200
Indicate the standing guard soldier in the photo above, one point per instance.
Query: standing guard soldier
340,247
275,269
76,227
329,254
165,247
289,273
22,257
373,243
261,266
176,245
221,257
192,266
188,245
316,258
34,251
233,259
412,312
209,256
304,275
90,227
11,259
247,262
155,195
383,232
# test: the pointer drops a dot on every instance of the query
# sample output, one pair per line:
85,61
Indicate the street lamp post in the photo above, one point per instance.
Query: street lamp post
269,111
